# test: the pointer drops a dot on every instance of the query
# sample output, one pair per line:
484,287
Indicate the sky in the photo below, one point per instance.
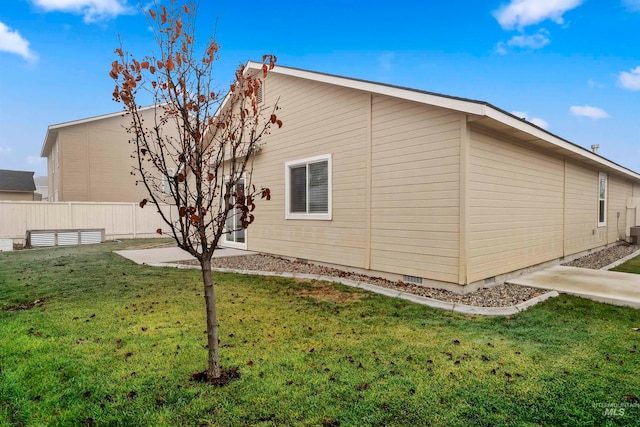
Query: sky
569,66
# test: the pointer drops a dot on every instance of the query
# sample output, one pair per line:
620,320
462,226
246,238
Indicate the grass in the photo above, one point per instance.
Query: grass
631,266
113,343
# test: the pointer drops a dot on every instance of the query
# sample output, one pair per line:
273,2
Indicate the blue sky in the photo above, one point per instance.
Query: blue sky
571,66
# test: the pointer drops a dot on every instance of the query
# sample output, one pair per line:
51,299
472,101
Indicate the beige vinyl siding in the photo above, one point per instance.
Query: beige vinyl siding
318,119
415,189
581,217
619,191
96,163
16,195
74,170
515,206
110,161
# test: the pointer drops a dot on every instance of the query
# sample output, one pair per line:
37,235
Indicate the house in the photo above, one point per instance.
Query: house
424,187
42,186
17,185
90,160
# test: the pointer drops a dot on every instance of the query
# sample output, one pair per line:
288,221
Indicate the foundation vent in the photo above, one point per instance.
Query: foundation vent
412,279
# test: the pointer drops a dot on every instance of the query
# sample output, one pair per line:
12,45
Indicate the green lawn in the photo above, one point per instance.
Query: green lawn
631,266
113,343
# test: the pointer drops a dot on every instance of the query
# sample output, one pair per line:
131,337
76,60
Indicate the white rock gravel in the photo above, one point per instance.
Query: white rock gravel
597,260
495,296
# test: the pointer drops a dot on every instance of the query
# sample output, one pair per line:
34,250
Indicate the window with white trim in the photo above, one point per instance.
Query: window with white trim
234,235
166,184
308,188
602,199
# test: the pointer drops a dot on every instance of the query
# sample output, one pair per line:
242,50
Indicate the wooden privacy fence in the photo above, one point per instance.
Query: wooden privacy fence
119,220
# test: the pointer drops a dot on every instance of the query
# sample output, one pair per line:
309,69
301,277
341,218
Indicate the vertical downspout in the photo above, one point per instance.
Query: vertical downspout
368,148
463,213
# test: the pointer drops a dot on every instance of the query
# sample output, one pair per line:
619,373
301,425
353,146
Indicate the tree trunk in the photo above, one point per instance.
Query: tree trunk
213,370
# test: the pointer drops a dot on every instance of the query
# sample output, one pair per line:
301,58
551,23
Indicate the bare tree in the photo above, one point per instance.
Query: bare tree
197,151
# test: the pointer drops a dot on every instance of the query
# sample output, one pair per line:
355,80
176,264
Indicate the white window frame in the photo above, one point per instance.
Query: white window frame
166,185
287,189
604,176
230,243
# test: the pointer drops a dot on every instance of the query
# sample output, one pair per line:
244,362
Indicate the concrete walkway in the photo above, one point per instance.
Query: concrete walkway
605,286
173,254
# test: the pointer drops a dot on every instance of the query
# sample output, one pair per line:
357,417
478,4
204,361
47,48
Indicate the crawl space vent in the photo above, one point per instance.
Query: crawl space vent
412,279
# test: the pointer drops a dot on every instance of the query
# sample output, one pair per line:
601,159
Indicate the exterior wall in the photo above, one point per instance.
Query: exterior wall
415,189
515,206
581,216
120,220
318,119
17,195
74,166
395,179
96,163
619,191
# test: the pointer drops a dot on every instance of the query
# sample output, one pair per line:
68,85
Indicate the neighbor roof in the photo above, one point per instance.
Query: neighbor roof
479,111
16,181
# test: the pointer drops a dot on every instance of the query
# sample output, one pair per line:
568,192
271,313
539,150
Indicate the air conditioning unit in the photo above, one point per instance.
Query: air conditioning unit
635,235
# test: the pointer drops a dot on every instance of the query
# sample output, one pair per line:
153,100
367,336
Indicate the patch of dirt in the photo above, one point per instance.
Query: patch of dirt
25,306
226,376
326,292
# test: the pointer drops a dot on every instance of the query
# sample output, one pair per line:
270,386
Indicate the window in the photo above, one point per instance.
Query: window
602,199
234,235
308,188
166,184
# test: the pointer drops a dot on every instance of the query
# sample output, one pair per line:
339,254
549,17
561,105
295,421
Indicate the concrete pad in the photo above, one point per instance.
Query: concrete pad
6,245
173,254
605,286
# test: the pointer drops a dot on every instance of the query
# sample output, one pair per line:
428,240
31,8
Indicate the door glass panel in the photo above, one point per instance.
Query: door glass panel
235,233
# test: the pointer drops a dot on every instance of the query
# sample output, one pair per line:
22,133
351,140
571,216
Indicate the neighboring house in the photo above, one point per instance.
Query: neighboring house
90,160
17,185
42,186
425,187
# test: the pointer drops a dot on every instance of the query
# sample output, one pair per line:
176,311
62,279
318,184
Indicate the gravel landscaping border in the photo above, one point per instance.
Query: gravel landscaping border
502,299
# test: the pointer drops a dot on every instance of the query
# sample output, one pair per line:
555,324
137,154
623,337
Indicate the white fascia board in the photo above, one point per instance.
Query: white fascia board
557,141
397,92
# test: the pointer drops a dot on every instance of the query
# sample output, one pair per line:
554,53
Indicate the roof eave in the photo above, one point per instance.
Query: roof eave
467,106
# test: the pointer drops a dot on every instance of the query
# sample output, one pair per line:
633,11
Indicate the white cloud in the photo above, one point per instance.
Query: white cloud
522,13
501,49
536,41
92,10
534,120
35,160
632,5
11,41
5,149
630,79
594,113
